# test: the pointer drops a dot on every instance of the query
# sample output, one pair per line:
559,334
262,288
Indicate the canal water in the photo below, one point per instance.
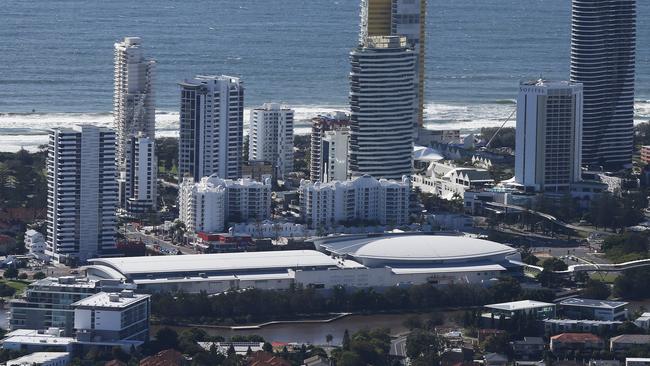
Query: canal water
315,333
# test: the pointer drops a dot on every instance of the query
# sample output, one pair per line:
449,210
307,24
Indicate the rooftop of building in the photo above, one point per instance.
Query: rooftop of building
582,321
37,358
591,303
187,265
416,248
50,337
548,83
108,300
519,305
631,338
576,337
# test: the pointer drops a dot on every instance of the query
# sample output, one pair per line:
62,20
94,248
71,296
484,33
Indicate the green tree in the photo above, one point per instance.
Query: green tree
10,272
595,289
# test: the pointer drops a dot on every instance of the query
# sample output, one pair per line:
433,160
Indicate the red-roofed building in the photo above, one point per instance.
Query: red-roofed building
577,342
261,358
168,357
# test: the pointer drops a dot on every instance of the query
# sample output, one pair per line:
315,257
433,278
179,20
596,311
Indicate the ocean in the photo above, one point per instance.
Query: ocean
56,57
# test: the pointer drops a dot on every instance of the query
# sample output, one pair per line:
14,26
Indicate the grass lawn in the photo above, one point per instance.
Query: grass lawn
604,276
16,284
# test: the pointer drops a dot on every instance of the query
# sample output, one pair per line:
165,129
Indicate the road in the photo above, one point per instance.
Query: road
149,240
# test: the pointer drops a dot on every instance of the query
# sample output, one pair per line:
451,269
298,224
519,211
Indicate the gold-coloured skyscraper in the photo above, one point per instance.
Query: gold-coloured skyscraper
400,18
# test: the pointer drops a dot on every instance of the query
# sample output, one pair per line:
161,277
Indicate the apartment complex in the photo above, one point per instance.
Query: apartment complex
334,155
134,117
211,127
82,193
382,100
271,137
364,199
47,303
211,203
548,135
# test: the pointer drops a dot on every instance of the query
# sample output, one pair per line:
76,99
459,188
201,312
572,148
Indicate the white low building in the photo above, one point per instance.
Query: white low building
212,202
362,200
35,243
119,318
41,359
355,261
446,180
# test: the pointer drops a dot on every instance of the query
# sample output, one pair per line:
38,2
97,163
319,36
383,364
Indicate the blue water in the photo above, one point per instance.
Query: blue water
56,55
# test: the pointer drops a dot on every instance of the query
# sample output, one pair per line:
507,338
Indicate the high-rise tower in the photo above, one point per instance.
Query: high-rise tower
381,108
134,116
603,43
399,18
82,193
271,137
549,135
211,127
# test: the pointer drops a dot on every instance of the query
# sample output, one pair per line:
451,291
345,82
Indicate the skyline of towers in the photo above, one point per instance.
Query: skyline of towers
603,44
548,135
405,18
270,136
82,193
211,127
382,97
134,118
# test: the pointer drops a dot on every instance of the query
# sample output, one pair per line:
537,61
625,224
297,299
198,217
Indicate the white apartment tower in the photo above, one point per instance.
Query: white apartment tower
271,137
139,175
211,127
382,99
208,205
134,116
319,126
364,200
82,193
334,155
549,135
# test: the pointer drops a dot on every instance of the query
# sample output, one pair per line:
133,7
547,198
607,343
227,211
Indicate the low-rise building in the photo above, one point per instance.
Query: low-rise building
529,348
555,326
361,200
41,359
637,361
578,308
540,310
31,340
643,321
585,343
626,342
121,319
495,359
447,181
48,302
222,242
35,243
241,348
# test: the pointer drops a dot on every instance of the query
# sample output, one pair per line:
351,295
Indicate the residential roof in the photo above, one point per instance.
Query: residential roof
631,339
168,357
110,300
37,358
591,303
519,305
576,337
261,358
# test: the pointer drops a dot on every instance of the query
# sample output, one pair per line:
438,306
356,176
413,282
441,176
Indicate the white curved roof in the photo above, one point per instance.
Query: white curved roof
430,248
